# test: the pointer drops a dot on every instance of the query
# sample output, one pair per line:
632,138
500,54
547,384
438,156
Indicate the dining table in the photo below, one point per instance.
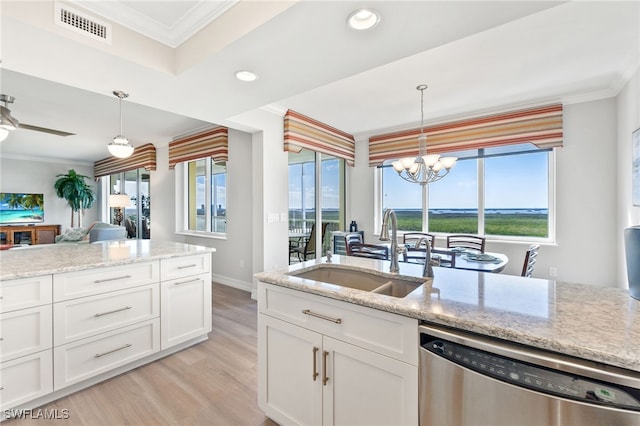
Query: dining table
468,259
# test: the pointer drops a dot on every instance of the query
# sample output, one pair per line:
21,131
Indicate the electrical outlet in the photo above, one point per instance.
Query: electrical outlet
553,271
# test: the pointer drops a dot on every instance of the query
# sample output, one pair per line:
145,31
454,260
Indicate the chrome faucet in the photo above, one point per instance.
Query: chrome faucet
384,236
427,272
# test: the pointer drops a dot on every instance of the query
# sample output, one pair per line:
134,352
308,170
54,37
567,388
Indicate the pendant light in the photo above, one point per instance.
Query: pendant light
423,169
120,146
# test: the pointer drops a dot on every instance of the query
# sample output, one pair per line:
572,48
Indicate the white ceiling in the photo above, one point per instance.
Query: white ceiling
476,57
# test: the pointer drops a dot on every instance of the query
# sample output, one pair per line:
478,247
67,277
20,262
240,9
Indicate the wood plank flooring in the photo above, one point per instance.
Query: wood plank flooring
212,383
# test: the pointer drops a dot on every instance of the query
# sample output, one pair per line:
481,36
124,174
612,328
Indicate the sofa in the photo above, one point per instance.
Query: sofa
97,231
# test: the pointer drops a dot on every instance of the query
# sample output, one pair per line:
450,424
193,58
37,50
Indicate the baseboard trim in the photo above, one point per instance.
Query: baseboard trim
231,282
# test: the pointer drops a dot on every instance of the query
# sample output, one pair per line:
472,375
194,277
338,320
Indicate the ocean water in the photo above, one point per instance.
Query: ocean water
21,216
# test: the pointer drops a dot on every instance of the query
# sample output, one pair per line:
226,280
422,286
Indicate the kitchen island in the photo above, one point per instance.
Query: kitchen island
359,328
75,315
598,324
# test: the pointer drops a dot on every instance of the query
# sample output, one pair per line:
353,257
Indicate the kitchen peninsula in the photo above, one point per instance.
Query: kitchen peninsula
600,325
75,315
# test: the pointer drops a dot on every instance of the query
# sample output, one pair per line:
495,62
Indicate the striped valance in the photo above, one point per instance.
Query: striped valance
301,132
541,126
210,143
143,157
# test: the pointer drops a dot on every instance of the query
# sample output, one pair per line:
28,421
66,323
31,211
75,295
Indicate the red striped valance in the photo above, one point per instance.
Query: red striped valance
210,143
143,157
301,131
541,126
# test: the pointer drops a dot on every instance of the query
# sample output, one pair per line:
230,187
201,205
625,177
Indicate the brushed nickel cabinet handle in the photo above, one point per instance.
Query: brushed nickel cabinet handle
325,378
315,366
187,266
324,317
112,312
112,279
128,345
187,281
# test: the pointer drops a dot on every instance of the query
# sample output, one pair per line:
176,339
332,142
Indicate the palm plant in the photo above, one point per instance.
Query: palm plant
73,188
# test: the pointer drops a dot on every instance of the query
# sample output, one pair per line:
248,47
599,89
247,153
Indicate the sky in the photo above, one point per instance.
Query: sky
514,181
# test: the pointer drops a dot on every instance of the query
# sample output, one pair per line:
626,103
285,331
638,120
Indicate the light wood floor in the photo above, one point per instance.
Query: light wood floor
212,383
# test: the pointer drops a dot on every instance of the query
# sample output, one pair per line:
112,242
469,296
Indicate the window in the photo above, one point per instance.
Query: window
206,189
136,218
504,192
305,182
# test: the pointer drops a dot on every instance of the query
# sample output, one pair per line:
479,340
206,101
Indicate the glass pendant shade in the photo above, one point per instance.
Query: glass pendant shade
120,147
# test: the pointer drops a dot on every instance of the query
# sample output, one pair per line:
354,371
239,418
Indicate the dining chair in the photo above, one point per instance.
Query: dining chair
473,242
415,246
307,247
447,258
371,251
530,260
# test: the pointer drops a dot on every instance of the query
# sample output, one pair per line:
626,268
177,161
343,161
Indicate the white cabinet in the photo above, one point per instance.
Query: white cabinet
25,340
25,378
324,361
79,327
186,309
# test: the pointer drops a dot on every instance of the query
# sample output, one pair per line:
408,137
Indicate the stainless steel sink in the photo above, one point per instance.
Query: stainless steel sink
361,280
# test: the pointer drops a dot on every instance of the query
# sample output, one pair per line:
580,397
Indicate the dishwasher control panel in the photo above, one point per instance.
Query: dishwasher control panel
534,377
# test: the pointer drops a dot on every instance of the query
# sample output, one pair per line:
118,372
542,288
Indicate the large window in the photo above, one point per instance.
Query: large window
136,217
306,181
503,193
206,186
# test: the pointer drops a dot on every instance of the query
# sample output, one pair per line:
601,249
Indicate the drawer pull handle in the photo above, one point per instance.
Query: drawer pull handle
324,317
112,312
128,345
315,367
112,279
325,378
187,266
186,282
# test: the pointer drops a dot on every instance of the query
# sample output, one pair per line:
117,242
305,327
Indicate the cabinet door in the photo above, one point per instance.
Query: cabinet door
365,388
25,332
185,306
25,379
289,372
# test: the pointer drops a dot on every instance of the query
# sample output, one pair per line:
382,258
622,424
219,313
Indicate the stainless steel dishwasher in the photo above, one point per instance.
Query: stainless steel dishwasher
467,379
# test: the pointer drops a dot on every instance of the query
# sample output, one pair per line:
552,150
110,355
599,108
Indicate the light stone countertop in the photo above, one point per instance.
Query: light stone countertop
46,259
598,324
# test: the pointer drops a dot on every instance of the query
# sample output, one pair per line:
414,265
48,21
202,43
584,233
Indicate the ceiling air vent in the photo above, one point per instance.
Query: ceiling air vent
82,23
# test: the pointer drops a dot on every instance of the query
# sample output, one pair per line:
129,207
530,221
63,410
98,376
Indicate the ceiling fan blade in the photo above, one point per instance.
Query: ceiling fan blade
45,130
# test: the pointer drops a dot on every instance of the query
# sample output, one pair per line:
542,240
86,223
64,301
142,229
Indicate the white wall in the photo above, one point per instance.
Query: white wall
38,176
586,200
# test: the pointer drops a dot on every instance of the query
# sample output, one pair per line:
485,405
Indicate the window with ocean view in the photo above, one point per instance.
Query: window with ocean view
206,185
304,201
504,193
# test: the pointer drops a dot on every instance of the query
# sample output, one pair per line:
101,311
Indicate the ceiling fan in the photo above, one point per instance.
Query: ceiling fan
8,123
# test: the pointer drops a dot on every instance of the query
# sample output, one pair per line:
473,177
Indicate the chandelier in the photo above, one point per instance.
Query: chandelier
424,168
120,147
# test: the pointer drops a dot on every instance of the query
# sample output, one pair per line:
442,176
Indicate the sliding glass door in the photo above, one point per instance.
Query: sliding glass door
137,216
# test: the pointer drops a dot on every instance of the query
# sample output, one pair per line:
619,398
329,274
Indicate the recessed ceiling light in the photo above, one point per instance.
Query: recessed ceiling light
363,19
246,76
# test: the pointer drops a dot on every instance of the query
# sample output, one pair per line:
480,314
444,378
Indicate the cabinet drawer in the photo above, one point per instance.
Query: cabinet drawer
71,285
79,318
25,293
184,266
86,358
25,379
25,332
383,332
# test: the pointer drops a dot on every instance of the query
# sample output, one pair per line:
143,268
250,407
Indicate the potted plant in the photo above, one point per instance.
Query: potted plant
73,188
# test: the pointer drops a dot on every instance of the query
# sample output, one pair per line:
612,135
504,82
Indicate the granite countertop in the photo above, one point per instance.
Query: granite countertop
598,324
46,259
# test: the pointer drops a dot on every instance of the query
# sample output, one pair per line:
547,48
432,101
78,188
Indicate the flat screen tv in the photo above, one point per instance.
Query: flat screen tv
18,208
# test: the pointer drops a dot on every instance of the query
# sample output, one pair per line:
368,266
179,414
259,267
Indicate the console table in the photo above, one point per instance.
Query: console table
28,234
